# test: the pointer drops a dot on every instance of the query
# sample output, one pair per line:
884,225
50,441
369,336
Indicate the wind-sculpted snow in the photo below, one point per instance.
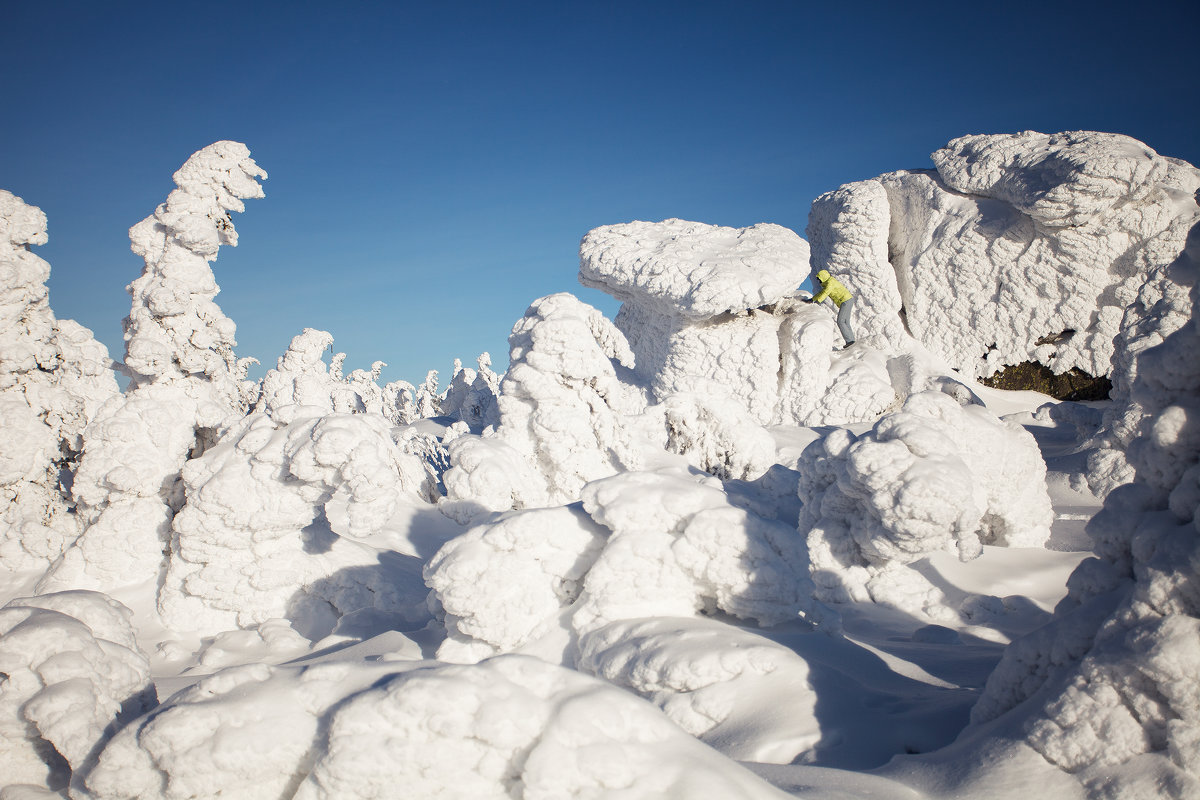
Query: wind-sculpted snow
186,384
692,269
511,727
1019,247
271,517
1109,690
71,670
709,310
53,377
912,486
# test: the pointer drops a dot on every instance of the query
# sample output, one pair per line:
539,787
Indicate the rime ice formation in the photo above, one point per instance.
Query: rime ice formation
562,407
53,378
271,522
1109,690
472,395
915,485
708,309
1018,247
186,384
71,670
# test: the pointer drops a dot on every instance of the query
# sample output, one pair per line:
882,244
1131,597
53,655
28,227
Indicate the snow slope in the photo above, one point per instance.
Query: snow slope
692,552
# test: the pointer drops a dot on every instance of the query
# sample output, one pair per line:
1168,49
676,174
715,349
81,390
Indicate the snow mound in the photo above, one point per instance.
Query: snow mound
726,686
1025,247
644,544
1109,689
53,378
515,727
271,520
72,673
718,436
914,485
511,727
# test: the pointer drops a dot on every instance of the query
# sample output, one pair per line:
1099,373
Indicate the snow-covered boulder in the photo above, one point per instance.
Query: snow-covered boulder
708,308
914,485
72,674
53,378
186,384
1108,690
1024,247
274,522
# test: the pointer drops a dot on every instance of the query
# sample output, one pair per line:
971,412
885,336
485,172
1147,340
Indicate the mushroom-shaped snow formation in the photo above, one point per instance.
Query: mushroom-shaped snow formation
1109,689
186,384
709,309
53,378
72,673
912,486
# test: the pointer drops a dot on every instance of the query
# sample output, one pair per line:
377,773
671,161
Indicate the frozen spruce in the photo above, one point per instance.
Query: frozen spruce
54,376
185,383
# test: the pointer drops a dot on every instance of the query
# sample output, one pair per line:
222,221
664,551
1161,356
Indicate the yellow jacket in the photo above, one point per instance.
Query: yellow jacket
832,288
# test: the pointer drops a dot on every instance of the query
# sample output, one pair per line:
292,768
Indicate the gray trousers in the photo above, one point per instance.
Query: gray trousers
843,321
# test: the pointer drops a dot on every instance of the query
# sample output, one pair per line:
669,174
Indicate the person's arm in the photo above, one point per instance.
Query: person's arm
821,295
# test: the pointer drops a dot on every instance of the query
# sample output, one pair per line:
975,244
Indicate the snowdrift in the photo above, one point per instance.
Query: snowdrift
694,551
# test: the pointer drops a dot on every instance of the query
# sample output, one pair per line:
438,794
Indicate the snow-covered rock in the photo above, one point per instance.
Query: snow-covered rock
53,378
72,673
914,485
1109,690
709,309
1014,241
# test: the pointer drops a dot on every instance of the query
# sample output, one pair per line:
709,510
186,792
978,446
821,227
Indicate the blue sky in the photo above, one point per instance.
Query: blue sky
433,166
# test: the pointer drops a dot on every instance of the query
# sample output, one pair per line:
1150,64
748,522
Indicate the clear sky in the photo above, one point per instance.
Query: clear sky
433,166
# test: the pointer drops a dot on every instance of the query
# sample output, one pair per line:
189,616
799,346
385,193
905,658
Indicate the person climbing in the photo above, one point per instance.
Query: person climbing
836,291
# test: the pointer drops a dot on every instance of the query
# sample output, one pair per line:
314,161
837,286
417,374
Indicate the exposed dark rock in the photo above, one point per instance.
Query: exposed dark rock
1072,385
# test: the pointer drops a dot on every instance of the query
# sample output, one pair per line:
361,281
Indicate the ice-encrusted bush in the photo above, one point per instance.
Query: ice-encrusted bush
1018,247
53,378
271,519
472,395
511,727
912,486
185,382
72,673
1109,690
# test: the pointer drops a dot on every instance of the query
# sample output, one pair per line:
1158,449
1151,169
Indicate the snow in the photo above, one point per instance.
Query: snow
694,551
